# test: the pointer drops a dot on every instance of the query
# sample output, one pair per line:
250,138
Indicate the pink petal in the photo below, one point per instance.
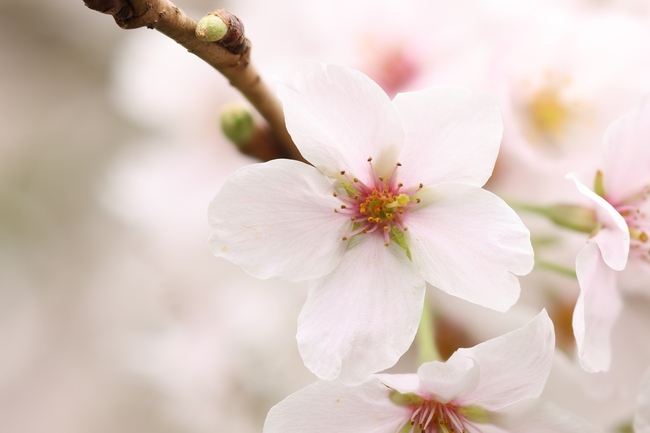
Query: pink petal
513,367
469,243
339,118
537,416
597,309
363,316
330,407
449,381
614,238
452,135
277,219
627,154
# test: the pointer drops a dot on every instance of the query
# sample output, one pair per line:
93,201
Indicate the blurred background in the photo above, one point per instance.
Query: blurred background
114,316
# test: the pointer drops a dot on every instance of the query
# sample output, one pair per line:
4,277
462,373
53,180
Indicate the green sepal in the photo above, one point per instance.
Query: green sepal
475,414
408,399
349,189
599,188
397,236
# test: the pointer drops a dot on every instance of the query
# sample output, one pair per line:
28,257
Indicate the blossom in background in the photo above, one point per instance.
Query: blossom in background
621,202
561,78
394,198
491,387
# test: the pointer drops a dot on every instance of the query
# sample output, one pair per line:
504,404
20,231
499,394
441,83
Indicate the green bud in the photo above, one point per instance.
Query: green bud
475,414
237,123
408,399
211,28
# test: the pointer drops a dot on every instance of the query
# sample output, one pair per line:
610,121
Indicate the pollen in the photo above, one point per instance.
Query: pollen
380,206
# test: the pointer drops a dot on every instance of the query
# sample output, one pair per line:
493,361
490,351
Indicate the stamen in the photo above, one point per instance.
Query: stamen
391,182
379,205
356,232
375,179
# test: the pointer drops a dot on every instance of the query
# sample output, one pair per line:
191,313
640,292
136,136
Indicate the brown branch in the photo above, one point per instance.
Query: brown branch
234,62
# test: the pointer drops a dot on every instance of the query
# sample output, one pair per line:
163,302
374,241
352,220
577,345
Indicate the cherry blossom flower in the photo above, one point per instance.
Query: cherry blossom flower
491,387
393,199
621,203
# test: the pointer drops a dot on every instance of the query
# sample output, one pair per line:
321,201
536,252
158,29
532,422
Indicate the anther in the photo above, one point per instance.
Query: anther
353,219
370,159
344,238
342,172
399,185
417,200
343,206
335,195
421,186
399,164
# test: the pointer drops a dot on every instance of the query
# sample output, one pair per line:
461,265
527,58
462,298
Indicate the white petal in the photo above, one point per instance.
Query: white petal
597,309
642,415
363,316
452,135
513,367
278,219
627,154
338,118
539,416
330,407
469,243
614,238
449,381
403,383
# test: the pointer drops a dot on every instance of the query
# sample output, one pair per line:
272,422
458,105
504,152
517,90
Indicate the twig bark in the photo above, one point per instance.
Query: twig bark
233,63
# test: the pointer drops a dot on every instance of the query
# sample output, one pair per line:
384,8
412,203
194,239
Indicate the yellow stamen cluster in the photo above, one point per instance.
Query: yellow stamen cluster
381,207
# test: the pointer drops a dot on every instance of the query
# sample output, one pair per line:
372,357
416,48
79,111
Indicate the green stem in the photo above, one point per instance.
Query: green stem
426,337
557,268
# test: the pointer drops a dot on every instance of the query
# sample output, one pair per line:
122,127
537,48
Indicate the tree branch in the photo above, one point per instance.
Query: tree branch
230,56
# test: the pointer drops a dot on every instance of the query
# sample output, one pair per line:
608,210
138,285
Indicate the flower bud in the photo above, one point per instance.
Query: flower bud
237,123
211,28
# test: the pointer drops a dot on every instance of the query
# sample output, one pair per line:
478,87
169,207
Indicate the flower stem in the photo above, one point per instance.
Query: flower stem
427,350
557,268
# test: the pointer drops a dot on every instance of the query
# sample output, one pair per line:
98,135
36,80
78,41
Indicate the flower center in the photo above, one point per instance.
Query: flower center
431,416
379,206
635,212
549,113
